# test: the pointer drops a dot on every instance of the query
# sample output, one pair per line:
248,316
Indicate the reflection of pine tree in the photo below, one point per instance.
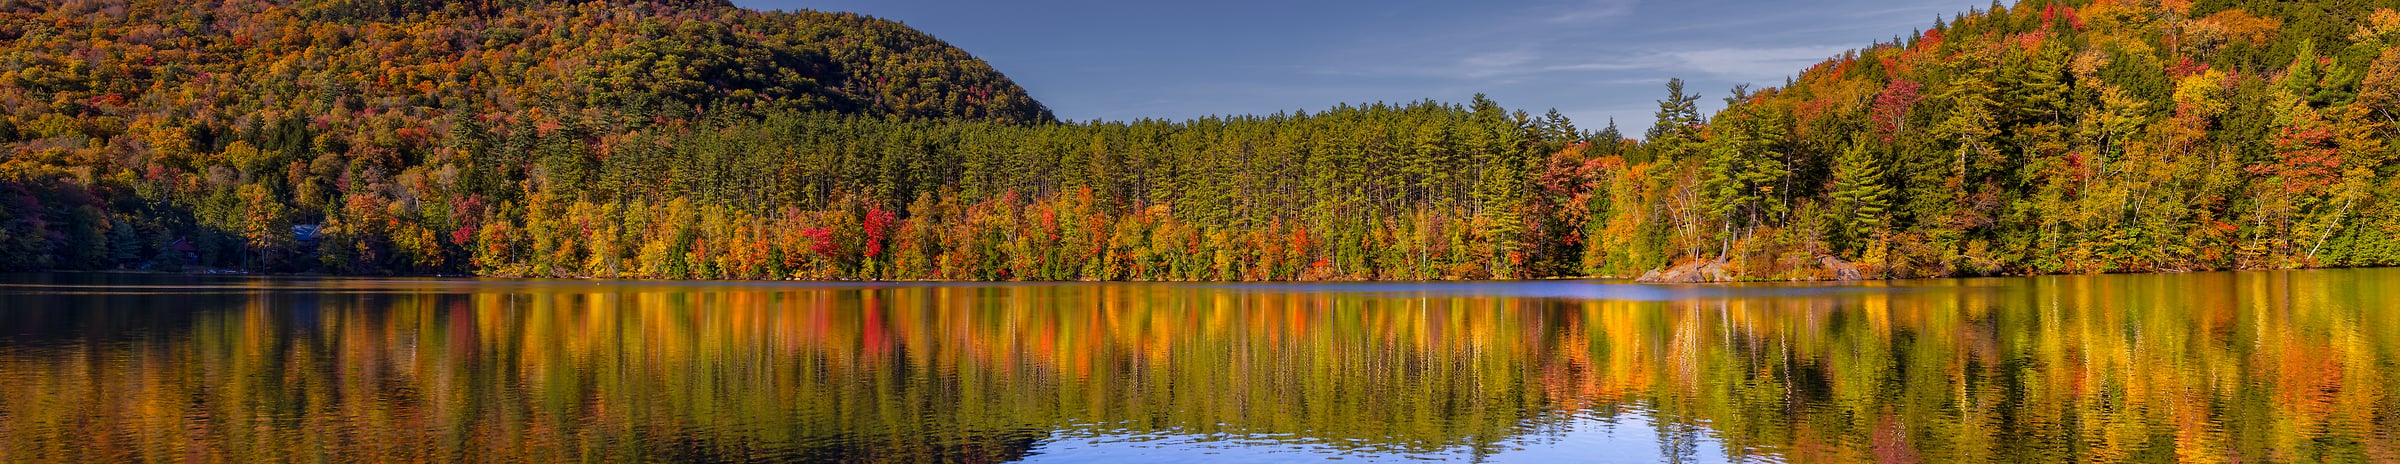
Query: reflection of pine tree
1678,441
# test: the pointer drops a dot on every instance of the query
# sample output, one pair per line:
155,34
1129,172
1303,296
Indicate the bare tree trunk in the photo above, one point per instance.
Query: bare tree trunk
2328,233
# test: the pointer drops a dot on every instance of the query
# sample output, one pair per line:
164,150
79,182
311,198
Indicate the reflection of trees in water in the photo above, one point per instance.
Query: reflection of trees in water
1678,441
2194,367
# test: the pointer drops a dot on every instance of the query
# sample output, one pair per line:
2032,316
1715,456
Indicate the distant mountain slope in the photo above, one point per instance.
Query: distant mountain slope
153,61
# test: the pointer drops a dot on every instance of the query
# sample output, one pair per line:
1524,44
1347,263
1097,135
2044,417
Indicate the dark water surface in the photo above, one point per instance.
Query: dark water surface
2232,367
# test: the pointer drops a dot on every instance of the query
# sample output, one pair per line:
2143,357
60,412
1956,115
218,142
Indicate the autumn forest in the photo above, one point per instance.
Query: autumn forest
691,139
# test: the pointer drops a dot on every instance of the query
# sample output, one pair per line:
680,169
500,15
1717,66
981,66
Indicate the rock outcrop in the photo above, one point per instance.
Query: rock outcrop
1704,271
1831,269
1838,270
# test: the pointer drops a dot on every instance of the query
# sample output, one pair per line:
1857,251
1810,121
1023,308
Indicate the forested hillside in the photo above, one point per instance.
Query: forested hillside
696,140
135,130
2051,137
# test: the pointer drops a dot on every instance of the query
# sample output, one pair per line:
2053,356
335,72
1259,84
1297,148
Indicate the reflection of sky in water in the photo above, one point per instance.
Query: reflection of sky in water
1603,290
1624,438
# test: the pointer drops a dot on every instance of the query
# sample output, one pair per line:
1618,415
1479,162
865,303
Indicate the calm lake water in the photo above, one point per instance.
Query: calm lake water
2247,367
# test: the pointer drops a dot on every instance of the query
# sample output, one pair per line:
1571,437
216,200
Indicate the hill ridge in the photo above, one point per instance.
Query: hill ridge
2042,137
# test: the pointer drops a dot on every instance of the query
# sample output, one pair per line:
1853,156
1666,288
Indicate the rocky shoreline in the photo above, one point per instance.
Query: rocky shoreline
1715,270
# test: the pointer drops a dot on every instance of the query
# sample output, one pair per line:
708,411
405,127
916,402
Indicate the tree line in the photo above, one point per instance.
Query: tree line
2047,137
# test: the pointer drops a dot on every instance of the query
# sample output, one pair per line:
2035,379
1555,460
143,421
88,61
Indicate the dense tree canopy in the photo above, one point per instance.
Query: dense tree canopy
697,140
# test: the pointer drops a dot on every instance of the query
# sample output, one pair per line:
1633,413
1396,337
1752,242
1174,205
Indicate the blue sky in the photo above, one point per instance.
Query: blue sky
1590,59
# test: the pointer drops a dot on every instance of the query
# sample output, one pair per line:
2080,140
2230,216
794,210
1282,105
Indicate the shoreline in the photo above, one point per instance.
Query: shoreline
1615,280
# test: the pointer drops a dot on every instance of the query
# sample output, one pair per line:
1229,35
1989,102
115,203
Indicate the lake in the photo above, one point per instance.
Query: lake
2251,366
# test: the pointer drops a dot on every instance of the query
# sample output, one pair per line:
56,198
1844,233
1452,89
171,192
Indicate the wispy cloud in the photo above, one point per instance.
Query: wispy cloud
1913,12
1593,59
1584,56
1746,64
1754,64
1650,62
1635,80
1485,65
1588,10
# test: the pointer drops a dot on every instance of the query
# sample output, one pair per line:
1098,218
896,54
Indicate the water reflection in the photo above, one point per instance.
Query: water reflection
2284,366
